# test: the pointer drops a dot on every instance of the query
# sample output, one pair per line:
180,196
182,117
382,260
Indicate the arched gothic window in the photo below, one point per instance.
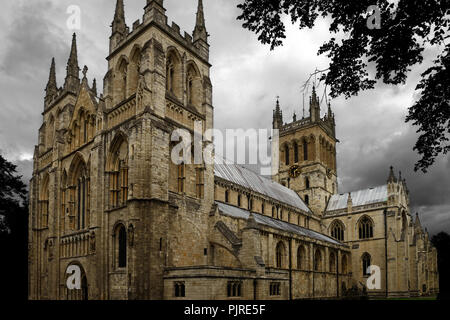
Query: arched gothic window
118,172
122,80
318,260
365,228
173,73
305,150
337,230
301,257
344,264
332,262
286,154
79,194
227,196
121,246
365,263
280,252
295,152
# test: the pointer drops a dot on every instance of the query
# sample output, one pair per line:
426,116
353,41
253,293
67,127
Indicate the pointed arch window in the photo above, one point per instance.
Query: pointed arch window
280,252
121,246
118,172
295,152
366,262
305,150
344,264
365,228
332,262
181,170
286,154
170,73
227,196
318,260
337,230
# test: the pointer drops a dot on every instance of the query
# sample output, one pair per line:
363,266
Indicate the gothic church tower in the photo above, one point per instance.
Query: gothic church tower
307,162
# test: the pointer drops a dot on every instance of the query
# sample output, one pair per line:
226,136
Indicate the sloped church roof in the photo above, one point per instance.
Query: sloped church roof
359,198
248,179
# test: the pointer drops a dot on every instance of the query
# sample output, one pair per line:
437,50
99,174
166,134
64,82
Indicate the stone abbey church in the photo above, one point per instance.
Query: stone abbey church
106,197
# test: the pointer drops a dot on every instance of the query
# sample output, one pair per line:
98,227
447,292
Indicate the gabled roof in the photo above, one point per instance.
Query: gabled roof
250,180
263,220
359,198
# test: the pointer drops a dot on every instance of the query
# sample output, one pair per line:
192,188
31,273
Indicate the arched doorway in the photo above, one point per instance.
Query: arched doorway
74,270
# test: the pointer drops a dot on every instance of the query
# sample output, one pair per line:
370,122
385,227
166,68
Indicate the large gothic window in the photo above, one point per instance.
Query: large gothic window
173,73
193,86
135,63
337,230
365,263
279,254
365,228
79,194
118,172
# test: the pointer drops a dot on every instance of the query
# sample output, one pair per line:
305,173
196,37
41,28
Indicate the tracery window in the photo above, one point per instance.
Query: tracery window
365,228
337,230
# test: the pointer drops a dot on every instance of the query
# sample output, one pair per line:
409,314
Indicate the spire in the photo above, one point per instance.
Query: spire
391,177
314,107
417,222
119,25
72,80
94,87
277,116
52,88
200,29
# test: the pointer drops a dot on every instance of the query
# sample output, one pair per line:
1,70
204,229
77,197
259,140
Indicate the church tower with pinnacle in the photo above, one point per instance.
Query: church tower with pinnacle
307,151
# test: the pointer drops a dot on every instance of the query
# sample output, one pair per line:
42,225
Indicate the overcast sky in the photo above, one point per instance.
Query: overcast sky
246,78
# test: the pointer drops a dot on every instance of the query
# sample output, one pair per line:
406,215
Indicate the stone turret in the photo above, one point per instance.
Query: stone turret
155,11
119,26
51,90
72,81
200,35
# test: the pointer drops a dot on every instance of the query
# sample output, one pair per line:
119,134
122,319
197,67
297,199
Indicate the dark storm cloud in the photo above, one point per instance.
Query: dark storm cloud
246,78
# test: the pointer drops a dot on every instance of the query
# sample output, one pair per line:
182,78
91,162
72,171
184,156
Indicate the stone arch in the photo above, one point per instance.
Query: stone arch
312,147
337,230
280,255
285,151
332,262
194,92
83,292
120,245
79,193
174,72
121,79
302,257
318,260
366,259
134,68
